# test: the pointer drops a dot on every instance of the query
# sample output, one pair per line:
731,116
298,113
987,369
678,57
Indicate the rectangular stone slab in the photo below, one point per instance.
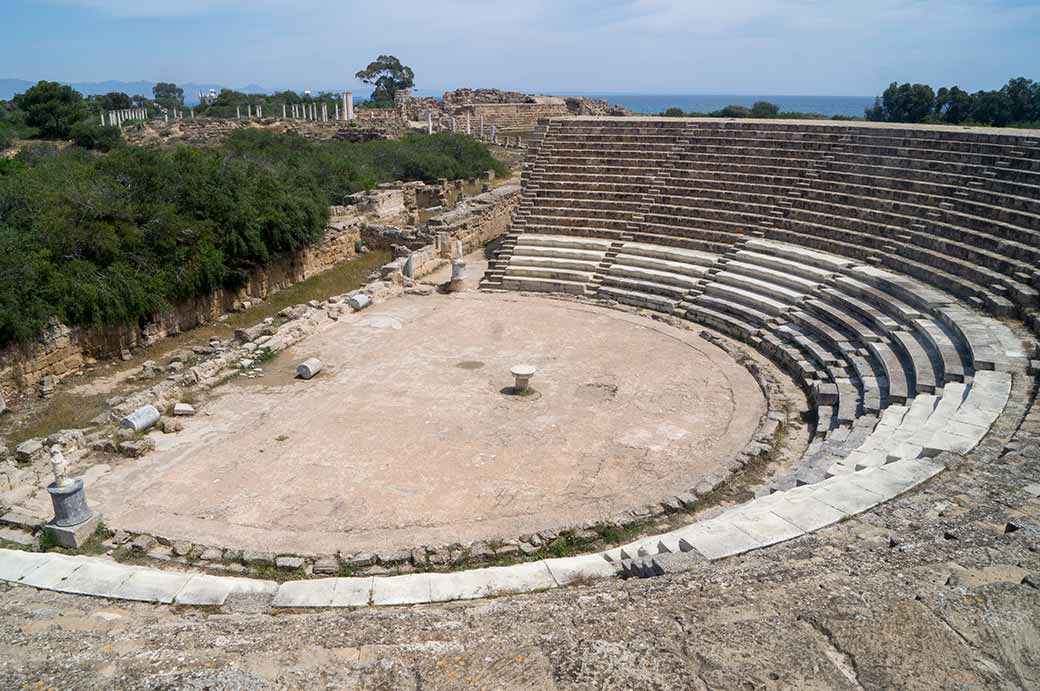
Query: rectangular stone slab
409,589
766,528
309,593
14,564
497,580
204,590
887,484
718,538
97,577
148,585
567,570
808,513
352,592
846,496
51,571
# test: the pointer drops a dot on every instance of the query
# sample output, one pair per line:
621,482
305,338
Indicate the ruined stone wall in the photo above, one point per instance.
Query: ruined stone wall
480,219
369,125
63,350
510,112
509,117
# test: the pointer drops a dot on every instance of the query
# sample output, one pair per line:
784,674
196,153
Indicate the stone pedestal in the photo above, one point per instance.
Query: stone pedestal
522,377
73,521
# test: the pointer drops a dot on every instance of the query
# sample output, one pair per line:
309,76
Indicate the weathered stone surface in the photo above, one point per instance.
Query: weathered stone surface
143,543
29,451
170,426
289,563
327,566
183,410
182,548
73,536
136,448
254,558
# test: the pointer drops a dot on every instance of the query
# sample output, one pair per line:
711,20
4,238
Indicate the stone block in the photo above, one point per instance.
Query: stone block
254,558
401,590
96,577
326,566
183,410
148,585
73,536
182,548
289,563
308,593
136,448
249,334
143,543
29,451
569,570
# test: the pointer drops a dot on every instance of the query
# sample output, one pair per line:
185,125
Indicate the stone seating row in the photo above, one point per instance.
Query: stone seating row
986,285
914,148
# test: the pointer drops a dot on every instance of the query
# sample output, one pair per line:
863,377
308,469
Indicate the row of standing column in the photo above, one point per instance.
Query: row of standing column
118,117
485,132
318,112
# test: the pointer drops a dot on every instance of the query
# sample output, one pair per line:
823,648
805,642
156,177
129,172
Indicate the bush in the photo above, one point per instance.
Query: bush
90,239
732,112
765,109
93,136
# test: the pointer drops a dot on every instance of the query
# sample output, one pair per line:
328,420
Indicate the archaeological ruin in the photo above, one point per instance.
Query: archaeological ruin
763,383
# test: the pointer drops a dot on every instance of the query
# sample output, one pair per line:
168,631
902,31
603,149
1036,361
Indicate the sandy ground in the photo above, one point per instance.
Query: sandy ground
406,438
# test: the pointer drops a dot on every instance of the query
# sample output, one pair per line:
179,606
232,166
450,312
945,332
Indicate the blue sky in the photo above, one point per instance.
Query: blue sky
645,46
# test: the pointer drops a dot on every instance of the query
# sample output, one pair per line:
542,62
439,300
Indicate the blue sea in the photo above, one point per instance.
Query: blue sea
652,104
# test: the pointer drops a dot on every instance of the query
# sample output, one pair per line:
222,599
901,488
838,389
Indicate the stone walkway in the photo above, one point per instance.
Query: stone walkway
770,520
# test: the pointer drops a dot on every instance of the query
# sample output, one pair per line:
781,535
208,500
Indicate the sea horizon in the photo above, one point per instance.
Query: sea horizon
652,104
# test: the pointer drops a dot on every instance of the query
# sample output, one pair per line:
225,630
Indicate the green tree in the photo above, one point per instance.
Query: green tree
116,100
673,112
903,103
388,76
168,95
992,108
953,105
51,107
732,112
1021,94
765,109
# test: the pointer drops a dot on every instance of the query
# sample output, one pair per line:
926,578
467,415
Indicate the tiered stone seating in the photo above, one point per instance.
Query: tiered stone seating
920,200
554,263
841,252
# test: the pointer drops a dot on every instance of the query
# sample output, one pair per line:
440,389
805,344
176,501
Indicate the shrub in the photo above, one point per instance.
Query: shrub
91,239
765,109
90,135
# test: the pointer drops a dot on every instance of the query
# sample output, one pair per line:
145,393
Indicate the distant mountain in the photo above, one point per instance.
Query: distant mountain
10,87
